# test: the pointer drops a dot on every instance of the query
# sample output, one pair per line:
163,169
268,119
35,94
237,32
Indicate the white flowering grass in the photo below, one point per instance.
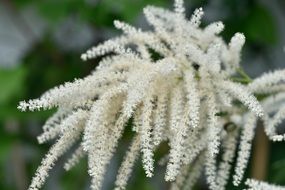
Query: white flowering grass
180,84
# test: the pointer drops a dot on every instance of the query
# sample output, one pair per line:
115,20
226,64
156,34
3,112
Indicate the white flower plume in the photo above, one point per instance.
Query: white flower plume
177,84
259,185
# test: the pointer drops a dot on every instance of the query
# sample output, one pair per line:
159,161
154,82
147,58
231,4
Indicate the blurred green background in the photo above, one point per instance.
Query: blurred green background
40,47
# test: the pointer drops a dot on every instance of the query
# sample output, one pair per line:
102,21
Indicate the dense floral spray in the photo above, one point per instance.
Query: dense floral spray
179,84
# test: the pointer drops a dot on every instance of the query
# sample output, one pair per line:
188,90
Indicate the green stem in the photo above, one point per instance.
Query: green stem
240,80
244,75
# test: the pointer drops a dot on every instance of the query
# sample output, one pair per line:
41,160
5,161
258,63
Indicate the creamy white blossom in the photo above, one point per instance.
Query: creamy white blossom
178,83
244,148
259,185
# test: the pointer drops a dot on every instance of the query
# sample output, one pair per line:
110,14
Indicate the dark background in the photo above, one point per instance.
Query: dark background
40,47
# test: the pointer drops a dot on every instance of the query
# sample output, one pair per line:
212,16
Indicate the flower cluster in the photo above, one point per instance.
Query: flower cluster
258,185
178,84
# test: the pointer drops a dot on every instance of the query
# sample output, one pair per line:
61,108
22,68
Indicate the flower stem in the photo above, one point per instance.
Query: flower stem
244,75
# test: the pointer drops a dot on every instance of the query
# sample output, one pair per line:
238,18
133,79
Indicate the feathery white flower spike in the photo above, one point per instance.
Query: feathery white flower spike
211,171
146,135
160,117
195,173
179,7
272,123
127,165
244,148
177,130
178,84
229,145
193,97
241,93
75,123
268,80
196,17
259,185
78,154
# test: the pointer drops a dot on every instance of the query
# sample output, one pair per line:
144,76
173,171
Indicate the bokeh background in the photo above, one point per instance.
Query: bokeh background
40,46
